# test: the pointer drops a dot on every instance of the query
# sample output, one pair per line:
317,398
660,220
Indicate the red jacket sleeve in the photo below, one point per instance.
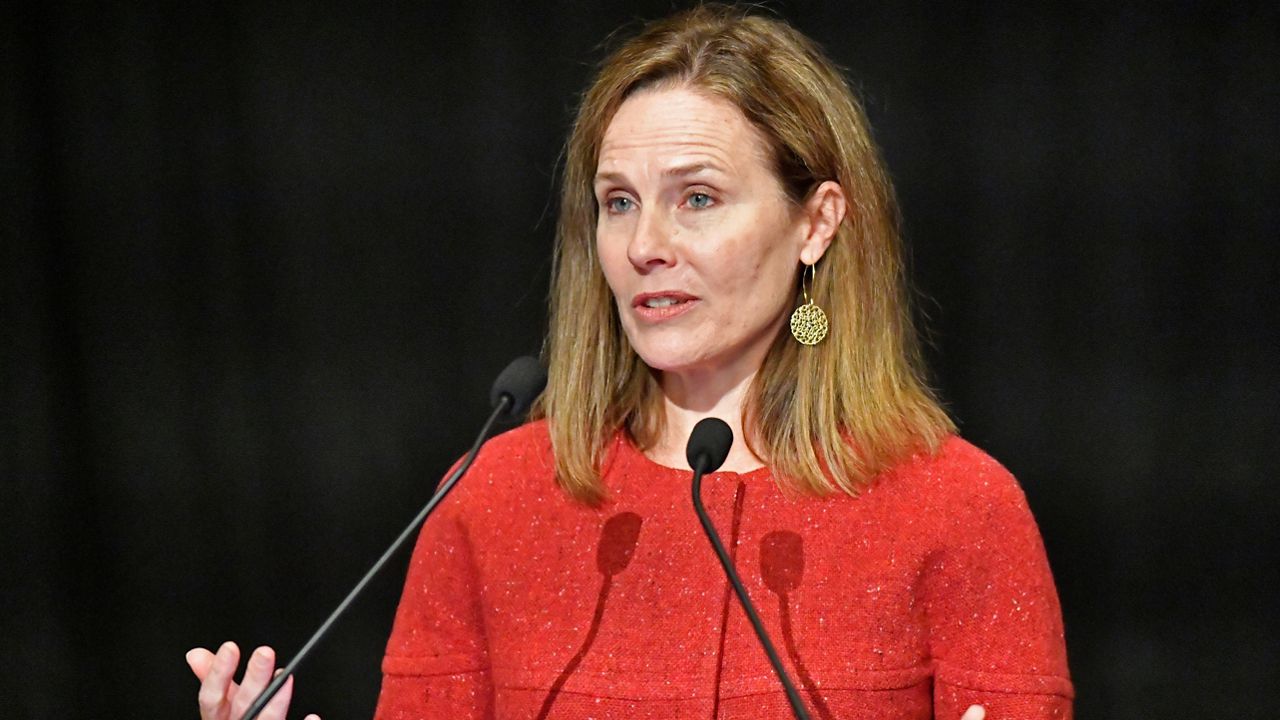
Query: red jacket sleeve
995,625
437,663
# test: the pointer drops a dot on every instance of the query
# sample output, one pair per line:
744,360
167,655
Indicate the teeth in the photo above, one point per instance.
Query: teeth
660,302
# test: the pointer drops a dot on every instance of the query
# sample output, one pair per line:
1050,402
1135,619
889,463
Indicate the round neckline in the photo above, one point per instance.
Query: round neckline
624,439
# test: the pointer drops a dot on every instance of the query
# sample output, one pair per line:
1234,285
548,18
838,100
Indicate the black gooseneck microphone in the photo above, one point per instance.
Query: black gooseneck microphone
708,447
514,390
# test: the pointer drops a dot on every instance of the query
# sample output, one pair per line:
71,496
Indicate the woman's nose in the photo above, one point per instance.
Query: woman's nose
651,244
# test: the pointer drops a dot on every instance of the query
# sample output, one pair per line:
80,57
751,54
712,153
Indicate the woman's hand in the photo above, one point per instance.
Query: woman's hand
975,712
222,699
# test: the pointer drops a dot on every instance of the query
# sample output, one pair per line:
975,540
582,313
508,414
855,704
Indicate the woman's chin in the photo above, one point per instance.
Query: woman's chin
670,362
689,362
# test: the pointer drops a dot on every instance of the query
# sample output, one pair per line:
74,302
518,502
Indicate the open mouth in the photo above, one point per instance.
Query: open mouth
662,305
662,302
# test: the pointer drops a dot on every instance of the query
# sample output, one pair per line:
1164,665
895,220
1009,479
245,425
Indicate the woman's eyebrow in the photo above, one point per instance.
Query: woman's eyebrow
682,170
690,169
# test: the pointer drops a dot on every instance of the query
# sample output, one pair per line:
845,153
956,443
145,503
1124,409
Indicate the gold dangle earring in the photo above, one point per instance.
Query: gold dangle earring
808,323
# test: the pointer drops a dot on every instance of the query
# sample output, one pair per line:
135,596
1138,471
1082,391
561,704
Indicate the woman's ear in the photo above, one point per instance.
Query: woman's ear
823,212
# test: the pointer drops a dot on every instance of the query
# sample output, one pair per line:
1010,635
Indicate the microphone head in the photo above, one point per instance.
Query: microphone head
709,444
522,381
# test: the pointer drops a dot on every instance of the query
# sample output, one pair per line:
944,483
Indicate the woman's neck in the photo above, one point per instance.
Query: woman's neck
691,396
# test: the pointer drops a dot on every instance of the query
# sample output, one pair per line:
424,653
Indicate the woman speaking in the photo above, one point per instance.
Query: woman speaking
727,246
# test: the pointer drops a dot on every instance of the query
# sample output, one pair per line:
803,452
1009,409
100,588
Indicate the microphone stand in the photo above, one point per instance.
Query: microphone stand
505,402
797,705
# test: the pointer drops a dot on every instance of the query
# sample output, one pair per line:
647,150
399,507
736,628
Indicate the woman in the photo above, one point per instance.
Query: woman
720,187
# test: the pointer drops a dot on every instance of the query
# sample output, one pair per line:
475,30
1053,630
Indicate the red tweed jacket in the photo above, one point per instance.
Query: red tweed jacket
927,593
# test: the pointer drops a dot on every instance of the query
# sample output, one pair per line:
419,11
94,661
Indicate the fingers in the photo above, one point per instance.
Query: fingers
222,699
257,674
975,712
279,705
199,660
216,688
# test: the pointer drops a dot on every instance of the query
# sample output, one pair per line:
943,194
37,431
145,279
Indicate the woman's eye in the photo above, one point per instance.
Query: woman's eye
698,201
619,204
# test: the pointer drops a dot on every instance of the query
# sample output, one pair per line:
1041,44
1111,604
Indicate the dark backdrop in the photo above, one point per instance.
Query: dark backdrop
261,262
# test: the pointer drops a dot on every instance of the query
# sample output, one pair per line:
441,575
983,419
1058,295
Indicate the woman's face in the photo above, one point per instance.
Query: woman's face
695,234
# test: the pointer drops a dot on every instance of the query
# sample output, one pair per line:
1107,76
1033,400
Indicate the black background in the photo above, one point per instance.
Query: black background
261,262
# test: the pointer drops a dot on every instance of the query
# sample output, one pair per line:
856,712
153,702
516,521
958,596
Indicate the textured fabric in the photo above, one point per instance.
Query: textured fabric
927,593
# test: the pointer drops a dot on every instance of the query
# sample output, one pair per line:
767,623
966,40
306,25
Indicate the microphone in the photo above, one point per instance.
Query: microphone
708,445
706,451
520,383
514,390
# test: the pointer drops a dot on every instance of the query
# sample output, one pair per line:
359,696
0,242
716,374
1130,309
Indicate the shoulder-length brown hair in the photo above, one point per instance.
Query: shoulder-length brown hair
825,418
